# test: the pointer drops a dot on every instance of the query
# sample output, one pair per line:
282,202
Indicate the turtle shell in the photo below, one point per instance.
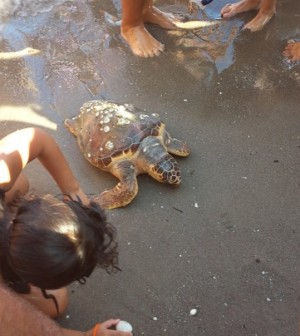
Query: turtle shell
107,131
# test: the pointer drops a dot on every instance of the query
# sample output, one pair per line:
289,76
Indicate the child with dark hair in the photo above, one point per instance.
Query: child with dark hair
46,243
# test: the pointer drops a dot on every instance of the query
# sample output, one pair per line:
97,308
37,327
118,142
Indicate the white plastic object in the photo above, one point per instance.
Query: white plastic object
124,326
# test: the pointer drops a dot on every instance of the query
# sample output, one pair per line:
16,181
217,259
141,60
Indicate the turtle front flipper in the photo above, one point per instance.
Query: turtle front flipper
175,146
157,162
167,170
124,192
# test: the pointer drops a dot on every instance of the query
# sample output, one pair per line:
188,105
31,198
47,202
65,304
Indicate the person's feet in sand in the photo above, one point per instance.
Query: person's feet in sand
242,6
141,41
292,51
267,9
135,14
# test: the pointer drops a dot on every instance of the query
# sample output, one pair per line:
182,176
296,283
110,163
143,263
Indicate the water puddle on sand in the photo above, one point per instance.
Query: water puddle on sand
81,46
24,8
69,38
210,46
205,50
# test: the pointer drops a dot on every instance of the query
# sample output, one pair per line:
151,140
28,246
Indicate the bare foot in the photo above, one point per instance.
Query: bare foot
230,10
155,16
267,9
259,21
141,41
292,51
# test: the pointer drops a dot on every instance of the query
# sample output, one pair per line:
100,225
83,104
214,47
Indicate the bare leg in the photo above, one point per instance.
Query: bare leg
266,10
153,15
292,51
135,14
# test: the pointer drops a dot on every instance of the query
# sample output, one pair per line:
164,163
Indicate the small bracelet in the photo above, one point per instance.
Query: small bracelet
96,329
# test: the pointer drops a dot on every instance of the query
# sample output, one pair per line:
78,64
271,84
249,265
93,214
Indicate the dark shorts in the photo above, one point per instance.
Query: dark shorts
2,201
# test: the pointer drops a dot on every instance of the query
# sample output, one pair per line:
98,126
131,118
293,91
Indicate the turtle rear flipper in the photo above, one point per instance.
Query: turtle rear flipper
124,192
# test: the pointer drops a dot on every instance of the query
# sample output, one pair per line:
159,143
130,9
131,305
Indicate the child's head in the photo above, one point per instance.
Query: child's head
50,243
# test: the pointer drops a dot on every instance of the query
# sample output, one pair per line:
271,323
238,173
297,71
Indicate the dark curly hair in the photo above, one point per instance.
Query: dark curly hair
50,243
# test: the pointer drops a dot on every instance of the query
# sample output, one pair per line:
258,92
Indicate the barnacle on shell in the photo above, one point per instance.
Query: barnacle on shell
109,145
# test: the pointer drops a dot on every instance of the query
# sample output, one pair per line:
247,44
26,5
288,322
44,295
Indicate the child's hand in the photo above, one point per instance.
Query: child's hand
79,194
103,329
100,329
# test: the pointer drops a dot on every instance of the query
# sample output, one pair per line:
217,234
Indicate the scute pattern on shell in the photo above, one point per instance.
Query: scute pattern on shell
107,131
126,142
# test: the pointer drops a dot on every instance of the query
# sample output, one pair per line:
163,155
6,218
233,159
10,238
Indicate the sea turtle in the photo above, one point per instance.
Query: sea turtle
126,142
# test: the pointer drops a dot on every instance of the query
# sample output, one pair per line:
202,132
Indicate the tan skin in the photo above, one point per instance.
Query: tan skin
266,9
292,51
16,151
135,13
17,317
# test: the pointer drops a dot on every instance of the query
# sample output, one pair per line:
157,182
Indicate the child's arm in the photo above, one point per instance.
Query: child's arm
103,329
18,317
19,148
